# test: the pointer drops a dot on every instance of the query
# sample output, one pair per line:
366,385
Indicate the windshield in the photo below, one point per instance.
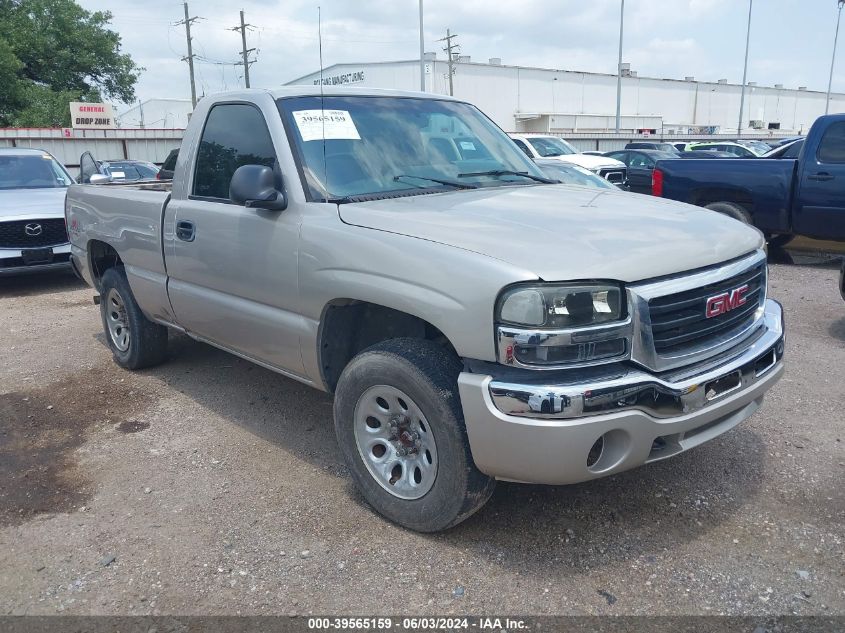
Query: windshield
132,171
551,146
759,147
32,171
381,146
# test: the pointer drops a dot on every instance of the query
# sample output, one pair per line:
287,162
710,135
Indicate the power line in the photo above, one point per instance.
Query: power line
244,51
450,55
190,57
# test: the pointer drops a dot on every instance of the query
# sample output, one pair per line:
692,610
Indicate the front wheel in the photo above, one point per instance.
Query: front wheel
400,427
134,340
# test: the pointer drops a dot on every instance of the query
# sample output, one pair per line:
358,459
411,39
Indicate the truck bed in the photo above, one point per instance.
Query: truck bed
763,185
129,218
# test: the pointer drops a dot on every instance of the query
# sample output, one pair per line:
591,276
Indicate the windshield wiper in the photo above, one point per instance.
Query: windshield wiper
448,183
507,172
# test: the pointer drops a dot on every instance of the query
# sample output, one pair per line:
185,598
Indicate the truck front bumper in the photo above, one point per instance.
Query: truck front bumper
623,417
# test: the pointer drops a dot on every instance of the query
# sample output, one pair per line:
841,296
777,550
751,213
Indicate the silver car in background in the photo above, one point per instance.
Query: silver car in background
33,236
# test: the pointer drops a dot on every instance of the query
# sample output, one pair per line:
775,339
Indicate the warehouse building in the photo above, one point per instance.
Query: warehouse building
160,114
526,99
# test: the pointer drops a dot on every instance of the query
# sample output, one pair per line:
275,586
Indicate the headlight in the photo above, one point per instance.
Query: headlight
551,306
554,325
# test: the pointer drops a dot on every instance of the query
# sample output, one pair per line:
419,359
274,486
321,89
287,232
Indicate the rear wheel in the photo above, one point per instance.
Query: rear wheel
400,428
732,210
134,340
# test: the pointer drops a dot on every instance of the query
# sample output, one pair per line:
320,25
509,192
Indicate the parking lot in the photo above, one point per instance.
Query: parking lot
209,485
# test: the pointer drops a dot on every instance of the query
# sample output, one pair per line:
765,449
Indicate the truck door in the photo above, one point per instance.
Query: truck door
233,270
819,209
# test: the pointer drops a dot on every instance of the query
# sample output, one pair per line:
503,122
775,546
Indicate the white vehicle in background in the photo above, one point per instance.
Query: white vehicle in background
547,146
33,237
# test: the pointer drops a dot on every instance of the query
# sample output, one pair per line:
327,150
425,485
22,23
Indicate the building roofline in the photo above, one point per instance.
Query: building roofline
416,62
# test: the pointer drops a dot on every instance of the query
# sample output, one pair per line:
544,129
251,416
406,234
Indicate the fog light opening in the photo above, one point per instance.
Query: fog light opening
609,451
595,452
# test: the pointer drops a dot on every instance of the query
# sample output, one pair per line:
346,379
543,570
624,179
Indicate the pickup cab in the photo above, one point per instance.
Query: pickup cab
783,198
474,320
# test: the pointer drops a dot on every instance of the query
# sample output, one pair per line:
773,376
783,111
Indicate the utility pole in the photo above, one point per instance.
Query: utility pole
744,70
451,56
619,70
190,58
833,59
244,51
422,51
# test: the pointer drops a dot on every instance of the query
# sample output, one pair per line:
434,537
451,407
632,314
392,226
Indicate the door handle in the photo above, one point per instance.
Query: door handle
821,176
186,231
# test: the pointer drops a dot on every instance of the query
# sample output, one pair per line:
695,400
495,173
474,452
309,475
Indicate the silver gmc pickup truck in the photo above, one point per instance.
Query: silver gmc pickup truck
474,320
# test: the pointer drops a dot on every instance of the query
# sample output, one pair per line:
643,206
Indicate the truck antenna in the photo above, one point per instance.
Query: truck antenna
322,105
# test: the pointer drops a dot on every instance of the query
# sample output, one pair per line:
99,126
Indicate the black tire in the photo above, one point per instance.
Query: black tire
732,210
147,341
428,375
780,240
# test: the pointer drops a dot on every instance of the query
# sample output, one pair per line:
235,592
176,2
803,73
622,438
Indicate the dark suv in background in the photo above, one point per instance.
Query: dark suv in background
663,147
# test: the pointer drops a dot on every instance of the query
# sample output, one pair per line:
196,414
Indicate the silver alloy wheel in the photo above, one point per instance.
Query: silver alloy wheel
395,442
117,320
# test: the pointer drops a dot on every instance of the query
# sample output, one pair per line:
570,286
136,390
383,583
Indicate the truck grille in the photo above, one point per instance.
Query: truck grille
679,321
616,175
33,233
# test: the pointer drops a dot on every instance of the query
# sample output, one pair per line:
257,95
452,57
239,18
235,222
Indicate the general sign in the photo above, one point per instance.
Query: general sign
92,115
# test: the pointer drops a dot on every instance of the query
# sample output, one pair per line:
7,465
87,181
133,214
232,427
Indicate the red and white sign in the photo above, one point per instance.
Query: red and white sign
67,132
97,116
727,301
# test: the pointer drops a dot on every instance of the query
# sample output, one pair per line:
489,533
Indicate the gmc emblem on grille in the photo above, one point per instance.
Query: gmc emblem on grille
725,302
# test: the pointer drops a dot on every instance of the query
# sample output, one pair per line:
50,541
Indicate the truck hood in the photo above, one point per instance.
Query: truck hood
589,161
560,232
24,204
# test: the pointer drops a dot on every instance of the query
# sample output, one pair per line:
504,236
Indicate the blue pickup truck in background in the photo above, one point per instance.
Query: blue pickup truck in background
783,198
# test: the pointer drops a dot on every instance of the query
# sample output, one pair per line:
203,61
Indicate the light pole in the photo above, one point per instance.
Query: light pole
619,69
744,70
833,58
422,51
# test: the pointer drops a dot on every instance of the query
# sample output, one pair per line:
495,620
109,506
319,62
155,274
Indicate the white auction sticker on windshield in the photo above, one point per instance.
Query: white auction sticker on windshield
316,125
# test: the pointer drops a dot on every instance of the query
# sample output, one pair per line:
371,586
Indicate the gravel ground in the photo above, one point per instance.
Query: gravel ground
209,486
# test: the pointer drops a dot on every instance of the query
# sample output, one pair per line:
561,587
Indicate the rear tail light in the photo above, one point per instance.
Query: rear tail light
657,183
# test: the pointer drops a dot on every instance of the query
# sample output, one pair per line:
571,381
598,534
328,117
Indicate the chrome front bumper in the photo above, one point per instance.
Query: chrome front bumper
544,431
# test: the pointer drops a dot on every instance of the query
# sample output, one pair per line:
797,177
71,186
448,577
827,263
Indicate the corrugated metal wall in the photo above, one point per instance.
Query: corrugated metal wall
147,144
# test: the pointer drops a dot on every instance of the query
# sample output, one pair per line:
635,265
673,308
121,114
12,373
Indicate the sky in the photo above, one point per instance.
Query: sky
791,40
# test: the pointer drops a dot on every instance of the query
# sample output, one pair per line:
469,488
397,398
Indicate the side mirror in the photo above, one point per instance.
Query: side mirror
254,186
99,179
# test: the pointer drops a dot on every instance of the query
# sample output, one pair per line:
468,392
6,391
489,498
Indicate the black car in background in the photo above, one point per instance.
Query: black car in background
640,164
130,170
786,150
663,147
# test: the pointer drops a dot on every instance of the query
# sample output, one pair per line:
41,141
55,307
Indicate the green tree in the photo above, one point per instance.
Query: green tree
53,52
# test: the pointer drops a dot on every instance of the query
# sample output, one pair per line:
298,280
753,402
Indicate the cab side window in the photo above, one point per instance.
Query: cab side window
234,135
832,147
